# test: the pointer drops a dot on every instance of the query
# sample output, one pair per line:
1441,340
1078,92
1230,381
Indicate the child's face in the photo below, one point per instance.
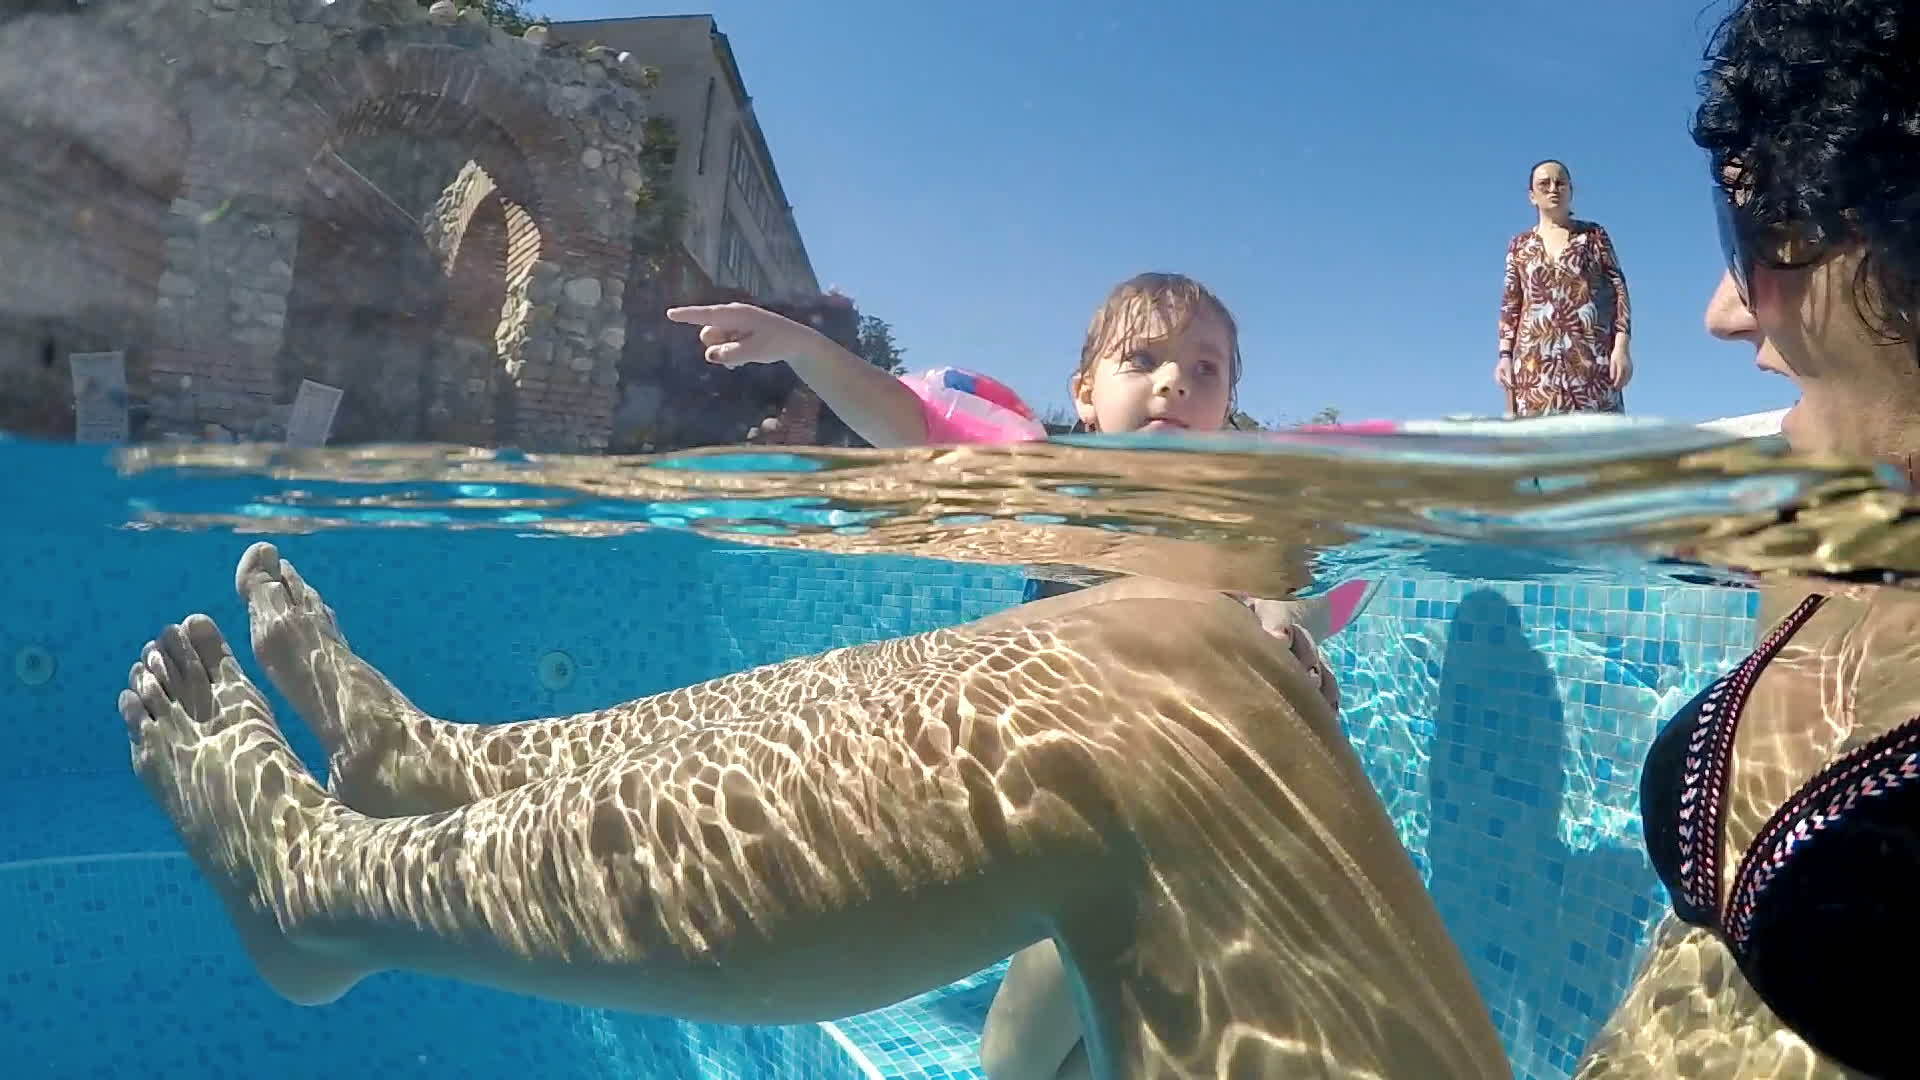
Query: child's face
1160,378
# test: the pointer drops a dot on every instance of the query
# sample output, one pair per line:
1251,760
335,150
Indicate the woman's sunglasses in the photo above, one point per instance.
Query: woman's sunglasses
1734,245
1746,245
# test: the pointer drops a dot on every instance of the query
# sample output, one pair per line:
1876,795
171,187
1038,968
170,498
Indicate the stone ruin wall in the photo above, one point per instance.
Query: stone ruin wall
432,214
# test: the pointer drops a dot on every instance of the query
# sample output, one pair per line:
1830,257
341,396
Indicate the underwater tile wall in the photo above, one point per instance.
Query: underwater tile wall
935,1036
1503,723
769,606
125,966
468,624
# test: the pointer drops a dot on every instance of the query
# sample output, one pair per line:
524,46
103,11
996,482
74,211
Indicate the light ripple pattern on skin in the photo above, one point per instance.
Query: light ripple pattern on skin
1150,780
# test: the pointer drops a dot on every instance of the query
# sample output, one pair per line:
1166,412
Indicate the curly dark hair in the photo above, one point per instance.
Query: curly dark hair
1810,110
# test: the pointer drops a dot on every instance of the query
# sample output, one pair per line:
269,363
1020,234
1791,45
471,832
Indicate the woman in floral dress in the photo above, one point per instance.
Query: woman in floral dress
1564,314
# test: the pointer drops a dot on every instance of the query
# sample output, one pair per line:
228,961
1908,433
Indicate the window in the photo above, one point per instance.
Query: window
746,176
738,265
756,197
755,194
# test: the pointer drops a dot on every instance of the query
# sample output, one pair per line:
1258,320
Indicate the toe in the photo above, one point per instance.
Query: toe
297,588
207,644
134,713
155,661
262,560
302,595
268,599
231,687
152,695
187,678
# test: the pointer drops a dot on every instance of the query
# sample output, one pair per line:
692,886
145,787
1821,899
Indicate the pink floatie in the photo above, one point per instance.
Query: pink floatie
1362,427
968,407
1346,601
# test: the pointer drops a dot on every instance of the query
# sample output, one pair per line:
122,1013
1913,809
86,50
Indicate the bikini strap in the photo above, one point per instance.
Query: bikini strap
1709,760
1887,763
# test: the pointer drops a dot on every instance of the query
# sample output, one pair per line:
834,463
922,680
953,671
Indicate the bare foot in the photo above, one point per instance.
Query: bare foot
205,744
355,711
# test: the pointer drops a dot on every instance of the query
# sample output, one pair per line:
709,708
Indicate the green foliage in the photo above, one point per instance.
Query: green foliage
877,346
659,144
509,15
660,210
1059,419
1245,421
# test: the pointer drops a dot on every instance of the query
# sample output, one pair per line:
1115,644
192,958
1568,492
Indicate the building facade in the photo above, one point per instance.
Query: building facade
736,229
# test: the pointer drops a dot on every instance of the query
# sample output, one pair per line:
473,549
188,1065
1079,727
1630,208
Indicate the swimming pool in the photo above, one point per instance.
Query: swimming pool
1502,720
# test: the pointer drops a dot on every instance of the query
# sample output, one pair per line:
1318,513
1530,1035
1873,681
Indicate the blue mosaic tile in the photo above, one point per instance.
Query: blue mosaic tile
1512,773
137,946
1503,724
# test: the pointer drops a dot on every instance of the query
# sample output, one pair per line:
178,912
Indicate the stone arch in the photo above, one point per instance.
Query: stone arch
364,297
560,329
445,91
488,245
414,179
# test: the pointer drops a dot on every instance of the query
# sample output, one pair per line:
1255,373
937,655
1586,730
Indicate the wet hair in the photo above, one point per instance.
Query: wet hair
1548,161
1810,112
1176,298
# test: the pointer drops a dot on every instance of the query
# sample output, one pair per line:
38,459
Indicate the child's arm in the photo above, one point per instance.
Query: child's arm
877,406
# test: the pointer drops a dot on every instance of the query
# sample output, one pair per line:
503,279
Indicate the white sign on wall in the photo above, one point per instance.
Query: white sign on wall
99,397
311,421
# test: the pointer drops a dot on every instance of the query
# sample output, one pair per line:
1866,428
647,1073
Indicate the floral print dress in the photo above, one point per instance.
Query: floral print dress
1559,318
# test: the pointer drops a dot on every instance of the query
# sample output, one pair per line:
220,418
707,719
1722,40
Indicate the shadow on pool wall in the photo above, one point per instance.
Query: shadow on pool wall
1526,704
1499,774
1504,724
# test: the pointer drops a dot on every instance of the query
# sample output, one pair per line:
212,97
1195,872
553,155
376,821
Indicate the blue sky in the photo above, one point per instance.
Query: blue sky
1345,176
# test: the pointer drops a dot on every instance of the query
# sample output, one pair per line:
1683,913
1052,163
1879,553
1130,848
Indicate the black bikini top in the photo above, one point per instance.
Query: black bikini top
1826,903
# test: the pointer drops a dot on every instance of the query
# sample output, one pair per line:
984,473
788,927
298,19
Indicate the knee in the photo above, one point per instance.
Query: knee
1145,588
1201,653
1172,626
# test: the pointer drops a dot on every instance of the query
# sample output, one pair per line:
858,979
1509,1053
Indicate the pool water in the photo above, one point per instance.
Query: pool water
1503,722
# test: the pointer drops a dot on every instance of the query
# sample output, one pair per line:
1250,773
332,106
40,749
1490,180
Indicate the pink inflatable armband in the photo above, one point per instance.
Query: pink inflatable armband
1346,601
967,407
